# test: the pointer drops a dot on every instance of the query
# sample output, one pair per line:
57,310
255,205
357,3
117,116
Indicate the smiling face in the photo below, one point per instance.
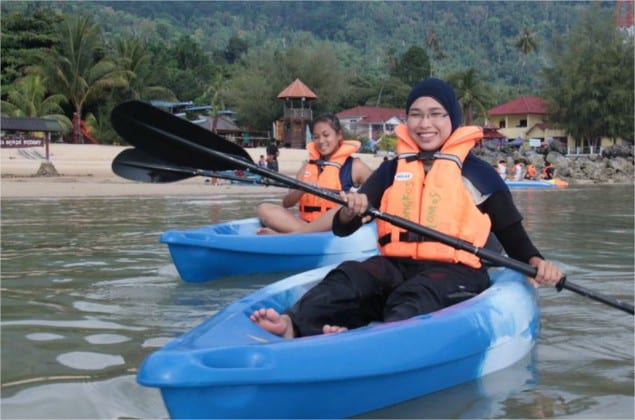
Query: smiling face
326,139
428,123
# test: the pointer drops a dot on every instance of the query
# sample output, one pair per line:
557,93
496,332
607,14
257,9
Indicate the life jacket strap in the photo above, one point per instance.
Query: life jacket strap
403,237
322,163
430,156
311,209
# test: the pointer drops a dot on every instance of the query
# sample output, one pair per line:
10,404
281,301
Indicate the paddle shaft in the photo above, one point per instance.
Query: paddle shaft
244,162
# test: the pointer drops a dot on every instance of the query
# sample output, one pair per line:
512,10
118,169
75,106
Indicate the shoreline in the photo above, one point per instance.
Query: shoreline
85,171
40,187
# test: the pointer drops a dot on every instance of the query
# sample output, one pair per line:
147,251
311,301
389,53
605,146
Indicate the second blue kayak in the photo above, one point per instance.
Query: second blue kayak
233,248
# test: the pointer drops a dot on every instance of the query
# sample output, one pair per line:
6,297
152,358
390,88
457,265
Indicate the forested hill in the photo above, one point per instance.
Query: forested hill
456,34
240,55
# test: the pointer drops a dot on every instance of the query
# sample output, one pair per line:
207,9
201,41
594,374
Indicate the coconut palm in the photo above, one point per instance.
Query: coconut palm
432,41
471,93
526,43
133,56
27,98
78,69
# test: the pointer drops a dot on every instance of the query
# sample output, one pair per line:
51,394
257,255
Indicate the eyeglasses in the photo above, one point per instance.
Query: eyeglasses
433,116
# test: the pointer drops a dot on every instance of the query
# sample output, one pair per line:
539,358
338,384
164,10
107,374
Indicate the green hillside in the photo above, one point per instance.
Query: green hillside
456,34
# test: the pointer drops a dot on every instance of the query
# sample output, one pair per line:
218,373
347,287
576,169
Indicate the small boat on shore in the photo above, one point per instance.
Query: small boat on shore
552,183
228,367
233,248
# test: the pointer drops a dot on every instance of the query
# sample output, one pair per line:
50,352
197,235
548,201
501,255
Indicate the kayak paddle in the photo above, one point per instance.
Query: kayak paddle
137,165
172,138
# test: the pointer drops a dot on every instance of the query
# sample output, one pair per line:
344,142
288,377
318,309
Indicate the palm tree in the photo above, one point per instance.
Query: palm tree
526,43
432,41
471,93
78,70
134,58
27,98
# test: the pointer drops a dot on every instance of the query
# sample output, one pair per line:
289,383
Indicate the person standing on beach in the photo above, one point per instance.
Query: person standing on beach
330,165
272,156
436,181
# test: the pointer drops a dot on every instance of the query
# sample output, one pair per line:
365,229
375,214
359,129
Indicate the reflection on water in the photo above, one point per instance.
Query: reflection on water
88,292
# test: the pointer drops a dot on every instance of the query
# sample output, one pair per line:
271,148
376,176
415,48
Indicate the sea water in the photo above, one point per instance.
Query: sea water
88,292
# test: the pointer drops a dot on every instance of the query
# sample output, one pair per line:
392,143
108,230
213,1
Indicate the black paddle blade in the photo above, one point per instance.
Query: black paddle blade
160,134
137,165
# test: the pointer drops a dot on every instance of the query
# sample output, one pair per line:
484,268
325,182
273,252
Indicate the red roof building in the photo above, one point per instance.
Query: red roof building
371,121
521,106
524,118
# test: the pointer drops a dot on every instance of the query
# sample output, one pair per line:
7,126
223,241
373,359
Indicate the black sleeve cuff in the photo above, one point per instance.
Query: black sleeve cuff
345,229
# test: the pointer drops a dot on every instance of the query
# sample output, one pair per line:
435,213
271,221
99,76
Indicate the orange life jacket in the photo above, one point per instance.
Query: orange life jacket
326,174
531,171
438,200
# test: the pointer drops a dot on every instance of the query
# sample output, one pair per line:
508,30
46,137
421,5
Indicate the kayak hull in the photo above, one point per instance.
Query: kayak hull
233,248
554,183
228,367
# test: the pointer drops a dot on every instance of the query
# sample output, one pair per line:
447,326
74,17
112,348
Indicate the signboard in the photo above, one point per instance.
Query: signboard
534,142
20,142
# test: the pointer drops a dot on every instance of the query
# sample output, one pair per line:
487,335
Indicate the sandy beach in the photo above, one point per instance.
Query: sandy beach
84,171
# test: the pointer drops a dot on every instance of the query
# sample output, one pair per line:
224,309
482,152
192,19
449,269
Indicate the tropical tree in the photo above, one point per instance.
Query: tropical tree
392,92
78,68
413,66
27,98
214,93
526,43
255,85
472,94
189,68
589,85
134,57
432,41
24,37
236,47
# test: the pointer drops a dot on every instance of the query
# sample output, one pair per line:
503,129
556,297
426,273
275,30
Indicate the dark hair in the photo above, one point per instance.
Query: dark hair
330,119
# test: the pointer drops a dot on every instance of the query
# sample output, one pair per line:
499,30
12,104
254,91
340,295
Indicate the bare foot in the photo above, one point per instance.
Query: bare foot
272,321
333,329
266,231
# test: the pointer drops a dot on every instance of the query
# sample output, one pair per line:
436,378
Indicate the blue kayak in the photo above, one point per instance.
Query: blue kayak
553,183
228,367
233,248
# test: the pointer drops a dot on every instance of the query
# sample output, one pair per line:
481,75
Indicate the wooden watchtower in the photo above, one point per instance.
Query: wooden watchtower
292,128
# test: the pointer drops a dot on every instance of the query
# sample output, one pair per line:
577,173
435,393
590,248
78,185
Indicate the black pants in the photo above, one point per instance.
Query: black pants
383,289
